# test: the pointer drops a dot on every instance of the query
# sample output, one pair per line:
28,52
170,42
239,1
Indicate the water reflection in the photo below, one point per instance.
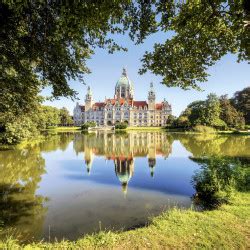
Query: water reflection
66,185
20,207
122,149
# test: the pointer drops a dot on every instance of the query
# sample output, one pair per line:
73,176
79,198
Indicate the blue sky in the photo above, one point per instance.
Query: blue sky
226,77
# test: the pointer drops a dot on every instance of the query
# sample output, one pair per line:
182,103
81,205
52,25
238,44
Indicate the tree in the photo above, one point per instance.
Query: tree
121,125
196,112
170,120
44,43
241,101
229,114
203,113
204,31
65,118
87,125
212,112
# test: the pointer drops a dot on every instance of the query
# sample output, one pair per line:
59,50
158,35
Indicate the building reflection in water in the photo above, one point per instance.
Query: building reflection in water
122,149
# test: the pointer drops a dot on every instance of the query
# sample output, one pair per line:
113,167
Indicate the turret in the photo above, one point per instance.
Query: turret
88,99
151,97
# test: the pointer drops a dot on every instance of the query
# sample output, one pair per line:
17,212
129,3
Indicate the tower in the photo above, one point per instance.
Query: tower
124,87
151,97
88,99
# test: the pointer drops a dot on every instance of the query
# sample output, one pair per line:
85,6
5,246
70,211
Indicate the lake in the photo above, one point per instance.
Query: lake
72,184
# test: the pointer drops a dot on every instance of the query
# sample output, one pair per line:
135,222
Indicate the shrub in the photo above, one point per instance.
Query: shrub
18,130
217,180
121,125
203,129
87,125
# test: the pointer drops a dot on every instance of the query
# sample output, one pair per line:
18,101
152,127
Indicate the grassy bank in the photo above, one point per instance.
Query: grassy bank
228,227
227,132
63,128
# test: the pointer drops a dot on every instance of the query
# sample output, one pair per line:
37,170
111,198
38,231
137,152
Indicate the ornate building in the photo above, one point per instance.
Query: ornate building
123,107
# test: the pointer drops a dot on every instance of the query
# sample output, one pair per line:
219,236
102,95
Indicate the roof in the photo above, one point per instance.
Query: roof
98,105
159,106
121,101
140,103
143,104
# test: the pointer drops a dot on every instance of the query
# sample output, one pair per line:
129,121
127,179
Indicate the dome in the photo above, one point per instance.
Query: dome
124,80
124,178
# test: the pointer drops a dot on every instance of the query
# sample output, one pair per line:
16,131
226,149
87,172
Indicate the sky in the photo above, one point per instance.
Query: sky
226,77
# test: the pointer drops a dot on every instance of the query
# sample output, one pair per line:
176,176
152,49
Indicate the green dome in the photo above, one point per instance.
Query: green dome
124,178
124,80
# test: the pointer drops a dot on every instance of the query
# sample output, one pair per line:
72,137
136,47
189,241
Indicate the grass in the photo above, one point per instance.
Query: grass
225,228
64,128
145,128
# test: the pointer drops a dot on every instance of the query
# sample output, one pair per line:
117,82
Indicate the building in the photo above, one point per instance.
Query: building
123,107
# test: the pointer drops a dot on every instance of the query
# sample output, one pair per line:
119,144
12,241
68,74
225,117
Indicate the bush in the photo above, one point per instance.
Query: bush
121,125
217,180
87,125
16,131
203,129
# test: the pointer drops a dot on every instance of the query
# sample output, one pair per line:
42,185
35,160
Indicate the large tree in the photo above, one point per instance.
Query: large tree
241,101
229,114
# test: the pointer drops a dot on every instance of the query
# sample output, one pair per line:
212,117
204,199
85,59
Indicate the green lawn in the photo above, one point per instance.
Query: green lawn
225,228
63,128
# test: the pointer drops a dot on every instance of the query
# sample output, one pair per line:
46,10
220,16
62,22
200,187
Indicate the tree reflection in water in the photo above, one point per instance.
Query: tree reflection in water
21,171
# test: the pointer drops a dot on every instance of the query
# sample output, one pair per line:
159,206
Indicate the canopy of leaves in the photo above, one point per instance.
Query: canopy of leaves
229,114
204,31
241,101
44,43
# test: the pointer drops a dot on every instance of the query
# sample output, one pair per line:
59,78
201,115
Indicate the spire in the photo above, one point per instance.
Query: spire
151,85
125,189
89,92
124,72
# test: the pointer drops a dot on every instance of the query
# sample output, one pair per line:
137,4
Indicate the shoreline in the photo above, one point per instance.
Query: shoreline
175,228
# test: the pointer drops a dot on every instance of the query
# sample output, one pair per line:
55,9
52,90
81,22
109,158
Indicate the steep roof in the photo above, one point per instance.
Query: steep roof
121,101
159,106
140,104
98,105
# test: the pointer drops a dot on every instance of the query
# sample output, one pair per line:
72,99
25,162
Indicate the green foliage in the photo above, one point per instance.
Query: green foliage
204,31
213,112
170,121
203,129
229,114
21,172
241,101
217,179
65,118
22,127
121,125
18,130
87,125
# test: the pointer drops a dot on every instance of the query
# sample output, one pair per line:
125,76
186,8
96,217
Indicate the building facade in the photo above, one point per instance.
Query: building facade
123,107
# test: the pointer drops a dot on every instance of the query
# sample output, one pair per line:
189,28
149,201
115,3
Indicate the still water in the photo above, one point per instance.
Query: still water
72,183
